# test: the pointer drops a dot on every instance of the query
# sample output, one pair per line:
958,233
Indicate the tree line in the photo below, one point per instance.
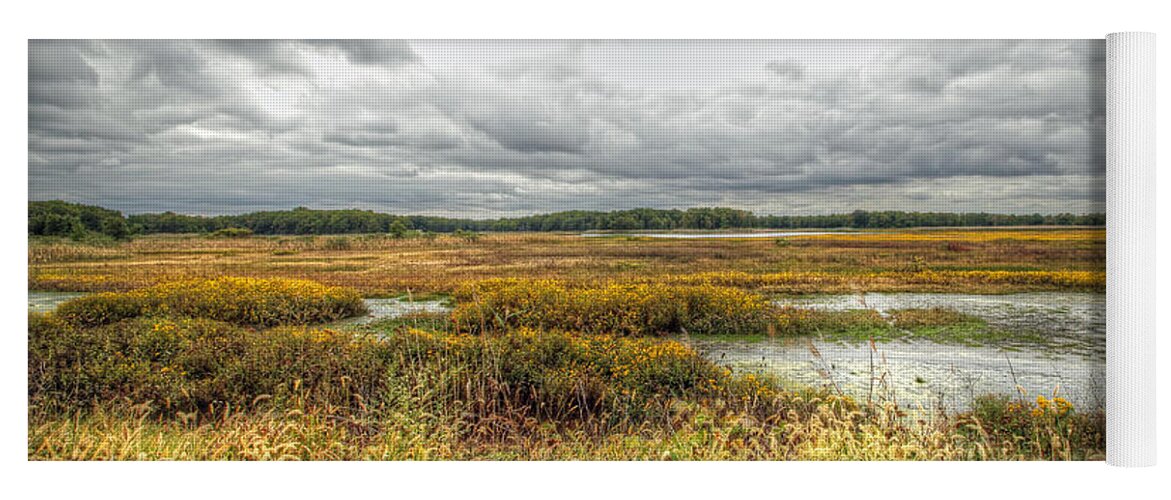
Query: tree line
59,218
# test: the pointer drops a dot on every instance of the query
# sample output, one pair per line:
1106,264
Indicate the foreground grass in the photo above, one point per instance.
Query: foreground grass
695,434
183,383
990,261
520,370
528,395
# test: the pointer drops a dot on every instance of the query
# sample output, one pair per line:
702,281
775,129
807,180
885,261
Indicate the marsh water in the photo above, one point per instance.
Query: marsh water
48,301
1072,322
393,308
918,374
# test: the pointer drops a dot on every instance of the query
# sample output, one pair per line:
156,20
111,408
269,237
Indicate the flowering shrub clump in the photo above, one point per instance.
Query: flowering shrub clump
519,377
241,301
195,364
622,309
526,355
820,281
604,380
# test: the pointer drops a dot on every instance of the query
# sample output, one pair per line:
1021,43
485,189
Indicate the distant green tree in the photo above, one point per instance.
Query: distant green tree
115,227
469,236
398,229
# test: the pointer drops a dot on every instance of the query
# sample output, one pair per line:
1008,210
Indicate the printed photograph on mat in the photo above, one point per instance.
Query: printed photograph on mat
566,250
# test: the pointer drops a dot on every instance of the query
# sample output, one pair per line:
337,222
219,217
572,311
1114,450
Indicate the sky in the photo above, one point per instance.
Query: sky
485,129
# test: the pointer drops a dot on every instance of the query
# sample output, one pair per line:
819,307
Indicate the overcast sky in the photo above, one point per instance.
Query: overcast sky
495,128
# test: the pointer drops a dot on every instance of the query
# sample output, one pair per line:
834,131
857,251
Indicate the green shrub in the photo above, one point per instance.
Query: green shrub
337,244
232,232
468,236
398,229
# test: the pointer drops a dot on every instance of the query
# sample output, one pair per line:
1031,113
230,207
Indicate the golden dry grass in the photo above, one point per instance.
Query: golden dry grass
986,261
823,430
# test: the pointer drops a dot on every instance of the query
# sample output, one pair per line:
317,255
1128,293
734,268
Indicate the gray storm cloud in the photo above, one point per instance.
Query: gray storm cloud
495,128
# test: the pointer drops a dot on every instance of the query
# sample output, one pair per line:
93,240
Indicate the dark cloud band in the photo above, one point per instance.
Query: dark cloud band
506,128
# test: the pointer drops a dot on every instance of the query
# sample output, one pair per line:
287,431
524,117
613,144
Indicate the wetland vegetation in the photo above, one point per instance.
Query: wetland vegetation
541,346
